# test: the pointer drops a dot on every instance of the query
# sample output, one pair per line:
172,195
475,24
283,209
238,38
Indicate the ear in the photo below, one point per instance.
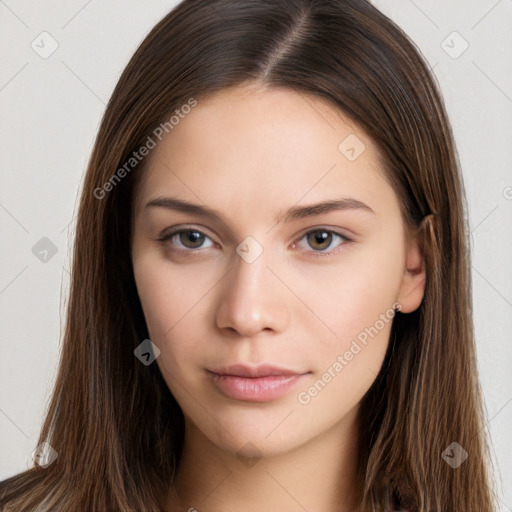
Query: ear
412,286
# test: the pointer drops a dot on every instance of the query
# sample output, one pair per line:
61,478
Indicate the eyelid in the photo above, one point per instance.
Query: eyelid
334,231
325,227
167,234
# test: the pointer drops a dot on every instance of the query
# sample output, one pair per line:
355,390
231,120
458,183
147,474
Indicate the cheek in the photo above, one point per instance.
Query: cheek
168,292
356,303
174,302
351,296
346,364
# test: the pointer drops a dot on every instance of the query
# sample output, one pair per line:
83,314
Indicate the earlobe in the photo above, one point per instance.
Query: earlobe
412,287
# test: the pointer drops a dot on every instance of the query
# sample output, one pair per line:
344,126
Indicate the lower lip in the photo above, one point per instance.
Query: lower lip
259,389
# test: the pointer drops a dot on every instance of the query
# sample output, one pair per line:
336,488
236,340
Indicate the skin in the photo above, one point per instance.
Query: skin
251,154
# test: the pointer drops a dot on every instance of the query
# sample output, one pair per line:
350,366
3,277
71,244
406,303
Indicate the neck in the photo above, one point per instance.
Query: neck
319,476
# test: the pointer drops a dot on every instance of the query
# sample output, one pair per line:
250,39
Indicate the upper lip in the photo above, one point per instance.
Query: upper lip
263,370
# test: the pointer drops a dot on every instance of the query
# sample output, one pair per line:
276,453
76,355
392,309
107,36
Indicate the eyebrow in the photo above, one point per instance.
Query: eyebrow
294,213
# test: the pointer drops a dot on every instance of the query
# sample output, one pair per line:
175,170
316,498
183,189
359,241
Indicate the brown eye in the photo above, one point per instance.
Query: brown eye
319,240
323,242
191,239
185,240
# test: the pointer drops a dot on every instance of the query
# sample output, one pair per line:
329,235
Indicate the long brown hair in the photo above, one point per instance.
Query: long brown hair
116,427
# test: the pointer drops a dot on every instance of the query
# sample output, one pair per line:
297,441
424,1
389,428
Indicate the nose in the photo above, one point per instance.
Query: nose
252,299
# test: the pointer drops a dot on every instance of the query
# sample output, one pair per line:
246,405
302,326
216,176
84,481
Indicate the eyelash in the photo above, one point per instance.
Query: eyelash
166,238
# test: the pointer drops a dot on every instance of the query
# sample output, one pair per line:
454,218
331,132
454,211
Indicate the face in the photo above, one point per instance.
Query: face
272,317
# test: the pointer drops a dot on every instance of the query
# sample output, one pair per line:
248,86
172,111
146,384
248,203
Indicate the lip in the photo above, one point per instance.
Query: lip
262,383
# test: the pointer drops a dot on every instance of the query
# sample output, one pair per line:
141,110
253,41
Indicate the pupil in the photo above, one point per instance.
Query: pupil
321,237
192,237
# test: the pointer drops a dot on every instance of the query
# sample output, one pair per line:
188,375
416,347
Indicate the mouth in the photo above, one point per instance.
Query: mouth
262,383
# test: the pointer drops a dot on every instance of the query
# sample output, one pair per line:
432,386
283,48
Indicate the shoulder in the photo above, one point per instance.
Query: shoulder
23,492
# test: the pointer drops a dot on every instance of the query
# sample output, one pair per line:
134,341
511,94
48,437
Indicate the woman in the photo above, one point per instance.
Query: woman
271,301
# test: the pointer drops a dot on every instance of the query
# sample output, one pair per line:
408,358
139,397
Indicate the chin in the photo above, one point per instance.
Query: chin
259,433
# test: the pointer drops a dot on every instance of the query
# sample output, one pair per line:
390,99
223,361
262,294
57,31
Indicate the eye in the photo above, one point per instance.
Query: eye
185,239
190,240
322,240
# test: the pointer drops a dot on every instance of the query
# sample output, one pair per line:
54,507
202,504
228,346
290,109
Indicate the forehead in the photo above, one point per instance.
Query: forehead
273,145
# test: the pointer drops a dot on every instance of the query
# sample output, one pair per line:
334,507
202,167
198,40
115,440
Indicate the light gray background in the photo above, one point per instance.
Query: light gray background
50,110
